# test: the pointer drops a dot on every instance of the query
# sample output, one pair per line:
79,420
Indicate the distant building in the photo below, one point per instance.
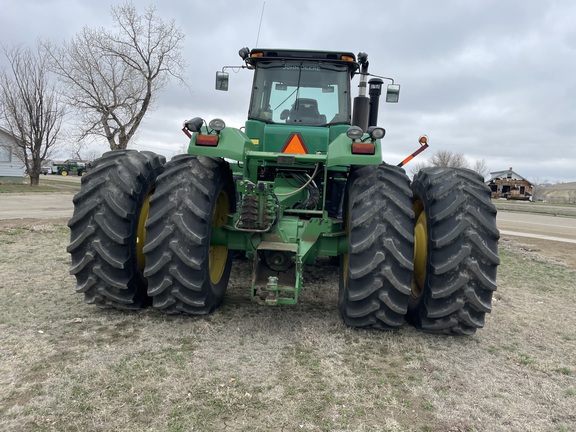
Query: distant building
510,185
10,165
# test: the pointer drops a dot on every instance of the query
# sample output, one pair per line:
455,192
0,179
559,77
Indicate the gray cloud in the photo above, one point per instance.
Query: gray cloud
490,79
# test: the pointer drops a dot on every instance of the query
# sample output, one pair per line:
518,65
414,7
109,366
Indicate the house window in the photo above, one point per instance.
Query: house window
5,154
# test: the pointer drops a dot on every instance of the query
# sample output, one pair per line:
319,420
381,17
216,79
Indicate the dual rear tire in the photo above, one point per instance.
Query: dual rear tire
428,251
376,273
456,251
185,273
107,228
138,238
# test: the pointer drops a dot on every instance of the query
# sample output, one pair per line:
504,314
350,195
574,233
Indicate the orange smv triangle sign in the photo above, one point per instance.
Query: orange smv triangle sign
295,144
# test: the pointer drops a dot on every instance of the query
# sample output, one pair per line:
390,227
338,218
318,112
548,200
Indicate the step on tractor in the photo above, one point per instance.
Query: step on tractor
302,182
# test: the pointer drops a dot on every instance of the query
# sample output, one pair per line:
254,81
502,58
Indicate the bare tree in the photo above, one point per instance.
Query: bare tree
82,151
92,155
182,148
442,158
77,148
113,78
445,158
481,167
31,107
415,167
540,188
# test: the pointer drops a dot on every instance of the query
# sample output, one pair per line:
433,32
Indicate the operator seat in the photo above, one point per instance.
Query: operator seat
305,112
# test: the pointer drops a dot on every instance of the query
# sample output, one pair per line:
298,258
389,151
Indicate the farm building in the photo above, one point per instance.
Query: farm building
10,165
510,185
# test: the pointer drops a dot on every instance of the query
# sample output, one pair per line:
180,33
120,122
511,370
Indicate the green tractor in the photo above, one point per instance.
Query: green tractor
69,167
303,180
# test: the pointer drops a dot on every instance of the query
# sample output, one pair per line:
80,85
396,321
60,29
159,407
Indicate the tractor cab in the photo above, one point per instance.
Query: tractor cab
294,91
309,91
299,91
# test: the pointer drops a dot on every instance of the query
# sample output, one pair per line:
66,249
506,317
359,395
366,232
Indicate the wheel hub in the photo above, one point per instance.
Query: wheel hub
218,255
420,249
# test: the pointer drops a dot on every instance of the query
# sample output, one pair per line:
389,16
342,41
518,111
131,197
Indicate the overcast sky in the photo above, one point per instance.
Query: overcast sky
494,80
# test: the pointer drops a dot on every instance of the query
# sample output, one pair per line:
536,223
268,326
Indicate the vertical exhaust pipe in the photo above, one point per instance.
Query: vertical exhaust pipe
361,102
375,90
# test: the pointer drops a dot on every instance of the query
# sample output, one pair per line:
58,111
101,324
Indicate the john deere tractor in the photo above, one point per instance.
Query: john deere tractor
68,167
303,180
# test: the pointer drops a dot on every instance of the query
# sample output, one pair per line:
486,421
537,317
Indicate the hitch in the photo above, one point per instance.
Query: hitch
277,273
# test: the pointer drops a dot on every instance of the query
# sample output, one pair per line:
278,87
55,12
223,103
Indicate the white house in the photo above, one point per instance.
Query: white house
10,165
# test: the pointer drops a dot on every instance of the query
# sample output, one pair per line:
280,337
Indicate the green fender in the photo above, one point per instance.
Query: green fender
232,144
340,153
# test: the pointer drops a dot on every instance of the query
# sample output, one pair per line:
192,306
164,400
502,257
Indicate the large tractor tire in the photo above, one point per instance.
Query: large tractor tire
376,273
107,228
186,274
456,251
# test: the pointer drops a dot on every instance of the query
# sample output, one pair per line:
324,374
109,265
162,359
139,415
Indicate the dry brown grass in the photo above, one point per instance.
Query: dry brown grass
67,366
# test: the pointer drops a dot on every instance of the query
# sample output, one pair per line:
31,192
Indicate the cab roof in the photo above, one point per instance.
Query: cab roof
267,54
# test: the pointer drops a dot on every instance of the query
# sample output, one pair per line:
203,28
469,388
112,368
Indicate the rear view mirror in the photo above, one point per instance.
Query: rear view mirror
393,93
222,81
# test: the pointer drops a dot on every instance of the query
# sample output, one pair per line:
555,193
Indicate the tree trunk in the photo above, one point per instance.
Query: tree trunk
34,179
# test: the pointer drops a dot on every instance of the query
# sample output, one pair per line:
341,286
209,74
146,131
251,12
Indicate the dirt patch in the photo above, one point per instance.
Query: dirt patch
65,365
541,250
31,223
62,184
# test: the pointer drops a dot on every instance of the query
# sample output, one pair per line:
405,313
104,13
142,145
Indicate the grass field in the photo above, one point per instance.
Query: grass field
47,184
568,210
67,366
7,187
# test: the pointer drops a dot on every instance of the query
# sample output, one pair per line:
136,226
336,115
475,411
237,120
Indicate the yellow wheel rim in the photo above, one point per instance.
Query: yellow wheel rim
345,256
141,232
218,255
420,249
64,173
